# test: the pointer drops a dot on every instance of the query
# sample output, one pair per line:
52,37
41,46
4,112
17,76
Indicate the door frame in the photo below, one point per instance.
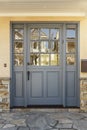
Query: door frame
25,63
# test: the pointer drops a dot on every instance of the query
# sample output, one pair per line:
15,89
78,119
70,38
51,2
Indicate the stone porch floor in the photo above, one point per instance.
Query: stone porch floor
43,119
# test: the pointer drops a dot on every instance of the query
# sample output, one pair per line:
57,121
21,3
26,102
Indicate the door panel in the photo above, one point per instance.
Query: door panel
36,84
19,84
70,84
53,85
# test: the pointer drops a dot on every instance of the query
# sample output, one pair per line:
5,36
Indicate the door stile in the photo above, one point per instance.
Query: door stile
78,64
64,64
25,64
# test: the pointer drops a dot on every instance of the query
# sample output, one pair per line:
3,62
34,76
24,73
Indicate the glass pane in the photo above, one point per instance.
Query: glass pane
71,33
54,34
44,34
54,59
34,47
18,47
54,46
44,59
44,46
34,34
18,34
70,59
34,59
70,47
18,59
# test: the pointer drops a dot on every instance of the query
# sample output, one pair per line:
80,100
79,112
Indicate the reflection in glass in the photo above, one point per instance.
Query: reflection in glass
44,46
55,46
71,33
44,59
18,59
18,47
34,34
70,47
44,34
34,47
70,59
34,59
54,34
18,34
54,59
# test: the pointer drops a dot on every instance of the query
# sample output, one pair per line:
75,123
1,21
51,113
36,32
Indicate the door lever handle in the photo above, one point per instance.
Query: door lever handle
28,75
28,63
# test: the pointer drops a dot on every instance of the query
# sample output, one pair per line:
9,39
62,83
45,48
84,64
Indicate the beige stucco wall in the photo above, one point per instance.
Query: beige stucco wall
5,38
83,42
4,48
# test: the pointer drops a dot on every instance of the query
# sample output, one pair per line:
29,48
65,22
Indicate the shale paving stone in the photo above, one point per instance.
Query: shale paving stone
18,122
1,125
23,128
13,128
8,126
67,129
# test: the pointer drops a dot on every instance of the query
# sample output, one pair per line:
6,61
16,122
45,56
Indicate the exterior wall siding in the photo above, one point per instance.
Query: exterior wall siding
6,60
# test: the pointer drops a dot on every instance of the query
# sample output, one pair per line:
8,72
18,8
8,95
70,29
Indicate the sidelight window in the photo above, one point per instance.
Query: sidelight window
71,44
18,46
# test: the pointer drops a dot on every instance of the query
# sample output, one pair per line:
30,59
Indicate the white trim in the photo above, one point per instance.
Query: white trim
45,14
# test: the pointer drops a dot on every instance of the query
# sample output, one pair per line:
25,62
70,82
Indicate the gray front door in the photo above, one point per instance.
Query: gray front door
44,66
45,69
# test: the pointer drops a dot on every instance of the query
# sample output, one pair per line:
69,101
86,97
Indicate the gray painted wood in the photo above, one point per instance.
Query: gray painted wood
36,84
19,84
53,84
56,85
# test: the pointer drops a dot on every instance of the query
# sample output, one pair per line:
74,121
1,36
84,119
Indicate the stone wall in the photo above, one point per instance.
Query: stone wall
4,94
83,94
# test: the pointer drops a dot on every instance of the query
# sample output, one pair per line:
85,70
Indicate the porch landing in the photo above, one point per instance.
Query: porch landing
43,119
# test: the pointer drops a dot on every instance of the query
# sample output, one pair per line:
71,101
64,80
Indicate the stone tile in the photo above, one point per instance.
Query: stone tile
35,128
67,129
52,129
19,122
75,116
23,128
66,126
1,125
12,128
2,121
65,121
8,126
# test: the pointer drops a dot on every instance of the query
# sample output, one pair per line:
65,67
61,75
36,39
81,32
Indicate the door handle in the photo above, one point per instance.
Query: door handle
28,63
28,75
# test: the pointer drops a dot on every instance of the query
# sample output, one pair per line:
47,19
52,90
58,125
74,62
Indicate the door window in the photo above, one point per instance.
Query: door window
44,47
71,44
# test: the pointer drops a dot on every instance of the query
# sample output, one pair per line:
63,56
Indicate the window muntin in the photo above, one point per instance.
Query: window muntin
18,45
71,43
44,47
